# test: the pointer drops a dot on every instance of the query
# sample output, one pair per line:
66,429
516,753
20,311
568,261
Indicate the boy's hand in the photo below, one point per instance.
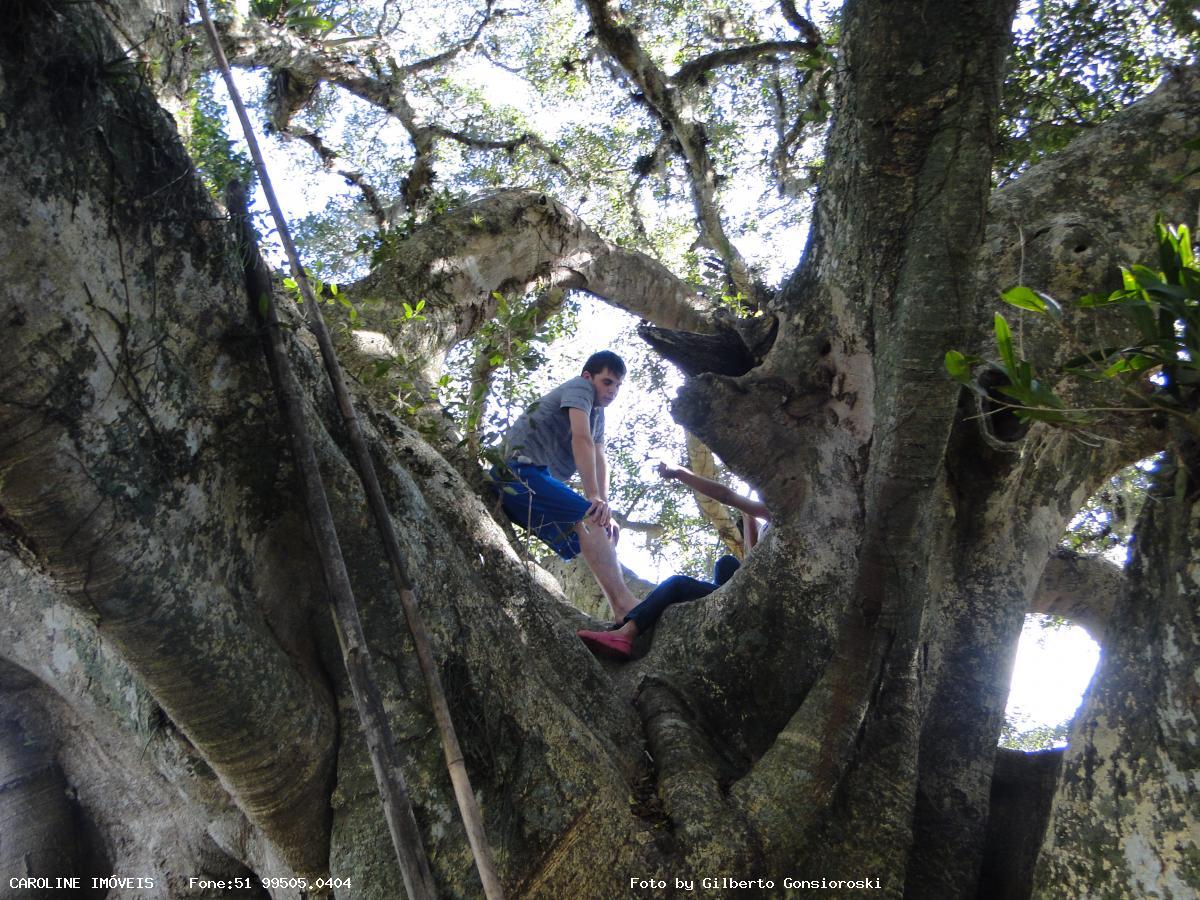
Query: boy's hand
598,512
668,471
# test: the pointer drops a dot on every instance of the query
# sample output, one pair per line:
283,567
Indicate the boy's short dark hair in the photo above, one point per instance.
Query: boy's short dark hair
605,359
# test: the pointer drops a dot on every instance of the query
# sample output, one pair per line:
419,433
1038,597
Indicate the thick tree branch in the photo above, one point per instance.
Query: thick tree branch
690,780
134,557
1080,589
729,350
73,664
703,463
40,833
650,529
785,793
508,242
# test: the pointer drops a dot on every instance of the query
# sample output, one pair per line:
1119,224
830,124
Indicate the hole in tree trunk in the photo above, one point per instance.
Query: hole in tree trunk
1000,421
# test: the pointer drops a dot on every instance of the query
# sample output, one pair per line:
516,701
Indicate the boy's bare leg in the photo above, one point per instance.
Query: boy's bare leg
600,554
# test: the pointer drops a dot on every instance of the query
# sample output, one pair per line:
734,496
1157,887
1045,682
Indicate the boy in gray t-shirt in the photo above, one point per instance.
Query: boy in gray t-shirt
559,435
542,436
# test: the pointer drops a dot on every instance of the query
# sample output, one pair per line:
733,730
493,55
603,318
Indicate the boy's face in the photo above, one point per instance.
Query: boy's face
606,385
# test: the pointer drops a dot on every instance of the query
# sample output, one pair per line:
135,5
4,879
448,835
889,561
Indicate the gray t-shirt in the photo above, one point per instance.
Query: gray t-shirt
542,435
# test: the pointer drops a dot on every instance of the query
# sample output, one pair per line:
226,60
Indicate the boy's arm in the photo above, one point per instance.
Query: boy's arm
584,449
614,530
719,492
601,469
749,532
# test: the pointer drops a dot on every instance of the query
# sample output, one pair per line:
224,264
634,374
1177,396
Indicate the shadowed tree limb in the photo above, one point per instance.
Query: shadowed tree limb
799,22
701,65
1080,589
689,780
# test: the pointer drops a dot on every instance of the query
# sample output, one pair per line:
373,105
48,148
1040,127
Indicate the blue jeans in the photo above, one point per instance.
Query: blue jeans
537,501
679,589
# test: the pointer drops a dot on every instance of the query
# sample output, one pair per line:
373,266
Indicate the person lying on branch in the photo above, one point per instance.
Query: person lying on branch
618,644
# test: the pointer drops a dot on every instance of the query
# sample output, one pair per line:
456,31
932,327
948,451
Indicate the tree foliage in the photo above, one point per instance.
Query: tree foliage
837,704
1076,62
1154,373
663,113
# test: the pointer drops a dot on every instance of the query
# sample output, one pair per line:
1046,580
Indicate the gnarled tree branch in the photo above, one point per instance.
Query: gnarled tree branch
303,62
703,463
1080,589
508,242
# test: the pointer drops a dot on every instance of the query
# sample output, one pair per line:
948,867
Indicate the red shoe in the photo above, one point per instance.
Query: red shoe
607,643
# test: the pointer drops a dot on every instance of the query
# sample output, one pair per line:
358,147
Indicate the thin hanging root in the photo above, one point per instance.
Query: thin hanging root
385,759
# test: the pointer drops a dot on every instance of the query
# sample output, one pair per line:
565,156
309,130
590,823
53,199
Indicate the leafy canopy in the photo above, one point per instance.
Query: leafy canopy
690,129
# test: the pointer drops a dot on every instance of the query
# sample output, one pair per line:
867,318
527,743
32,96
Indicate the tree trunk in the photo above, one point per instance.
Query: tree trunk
833,709
1126,816
35,816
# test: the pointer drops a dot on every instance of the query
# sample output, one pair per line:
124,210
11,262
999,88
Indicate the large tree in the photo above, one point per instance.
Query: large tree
174,700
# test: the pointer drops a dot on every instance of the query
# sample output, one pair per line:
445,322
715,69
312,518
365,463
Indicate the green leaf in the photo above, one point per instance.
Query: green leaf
1131,364
1005,345
1026,298
1184,244
958,366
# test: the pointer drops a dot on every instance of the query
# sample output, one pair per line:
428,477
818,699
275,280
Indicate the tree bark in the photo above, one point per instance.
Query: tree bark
505,243
1080,589
1126,814
835,707
35,816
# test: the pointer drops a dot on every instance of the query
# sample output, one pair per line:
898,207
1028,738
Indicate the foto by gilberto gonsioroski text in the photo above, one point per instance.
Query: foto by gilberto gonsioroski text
726,883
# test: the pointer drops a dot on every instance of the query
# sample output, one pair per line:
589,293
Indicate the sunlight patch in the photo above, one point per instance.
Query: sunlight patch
1055,663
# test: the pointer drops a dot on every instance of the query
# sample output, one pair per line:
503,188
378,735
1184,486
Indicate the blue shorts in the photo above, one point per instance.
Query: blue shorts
542,504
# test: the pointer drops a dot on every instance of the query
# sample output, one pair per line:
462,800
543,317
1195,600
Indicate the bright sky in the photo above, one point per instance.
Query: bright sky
1052,671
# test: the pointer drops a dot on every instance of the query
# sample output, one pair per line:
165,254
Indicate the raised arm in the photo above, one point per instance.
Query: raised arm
719,492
